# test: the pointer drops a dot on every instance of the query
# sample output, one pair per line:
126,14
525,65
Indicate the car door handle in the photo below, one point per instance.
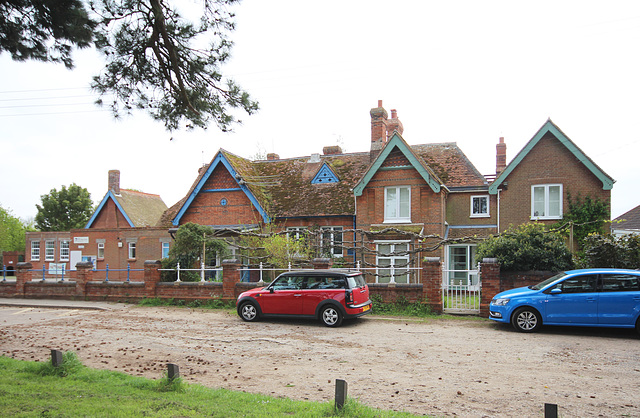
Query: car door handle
297,294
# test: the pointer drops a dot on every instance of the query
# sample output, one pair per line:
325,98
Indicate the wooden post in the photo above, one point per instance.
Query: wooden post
173,371
56,358
341,393
550,410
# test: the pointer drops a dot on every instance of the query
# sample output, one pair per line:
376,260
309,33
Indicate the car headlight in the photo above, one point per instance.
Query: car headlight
500,301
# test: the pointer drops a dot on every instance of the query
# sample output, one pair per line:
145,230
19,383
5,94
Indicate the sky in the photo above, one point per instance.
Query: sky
468,72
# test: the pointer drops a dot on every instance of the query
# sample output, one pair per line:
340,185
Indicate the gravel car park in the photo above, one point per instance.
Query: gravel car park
440,367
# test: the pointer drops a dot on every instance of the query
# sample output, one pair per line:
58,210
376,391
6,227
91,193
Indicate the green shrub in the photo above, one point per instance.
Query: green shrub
527,247
609,251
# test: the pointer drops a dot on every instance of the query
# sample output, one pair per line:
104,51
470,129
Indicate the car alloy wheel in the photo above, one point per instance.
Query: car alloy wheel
526,320
248,312
331,316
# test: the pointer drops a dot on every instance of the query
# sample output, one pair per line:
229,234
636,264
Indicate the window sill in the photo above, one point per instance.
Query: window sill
546,218
485,215
397,221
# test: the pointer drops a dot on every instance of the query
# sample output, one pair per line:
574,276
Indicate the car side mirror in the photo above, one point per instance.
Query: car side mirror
555,291
271,290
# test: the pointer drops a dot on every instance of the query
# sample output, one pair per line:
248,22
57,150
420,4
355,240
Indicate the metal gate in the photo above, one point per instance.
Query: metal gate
461,291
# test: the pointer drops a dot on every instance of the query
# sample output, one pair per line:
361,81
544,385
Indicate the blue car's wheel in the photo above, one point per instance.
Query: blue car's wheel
526,320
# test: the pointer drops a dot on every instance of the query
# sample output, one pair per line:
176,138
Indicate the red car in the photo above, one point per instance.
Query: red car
327,295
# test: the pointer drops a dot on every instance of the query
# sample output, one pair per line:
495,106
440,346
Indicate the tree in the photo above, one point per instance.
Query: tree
65,209
585,216
12,232
155,60
193,243
44,30
527,247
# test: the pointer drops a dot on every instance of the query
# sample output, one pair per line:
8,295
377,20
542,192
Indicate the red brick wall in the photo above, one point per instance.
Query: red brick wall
207,209
110,217
549,162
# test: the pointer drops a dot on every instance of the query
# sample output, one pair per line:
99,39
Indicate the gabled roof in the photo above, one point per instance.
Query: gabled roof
239,168
285,188
139,209
629,220
416,162
550,127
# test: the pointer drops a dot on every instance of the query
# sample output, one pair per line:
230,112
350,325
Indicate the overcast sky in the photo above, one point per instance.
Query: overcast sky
456,71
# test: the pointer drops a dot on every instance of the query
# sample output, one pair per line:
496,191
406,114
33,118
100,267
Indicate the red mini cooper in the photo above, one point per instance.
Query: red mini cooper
327,295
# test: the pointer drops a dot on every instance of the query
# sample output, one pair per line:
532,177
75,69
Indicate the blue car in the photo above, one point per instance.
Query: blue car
589,297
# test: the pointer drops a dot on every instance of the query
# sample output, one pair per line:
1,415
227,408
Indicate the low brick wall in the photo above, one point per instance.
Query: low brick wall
391,293
87,286
513,279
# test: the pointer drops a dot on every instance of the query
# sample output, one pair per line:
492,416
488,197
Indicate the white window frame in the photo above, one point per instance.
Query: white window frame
35,250
335,250
49,250
395,215
480,215
297,232
64,250
546,215
100,250
164,248
131,250
394,260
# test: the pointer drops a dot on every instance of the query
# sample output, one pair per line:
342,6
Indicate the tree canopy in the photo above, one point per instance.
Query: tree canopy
63,210
155,59
12,229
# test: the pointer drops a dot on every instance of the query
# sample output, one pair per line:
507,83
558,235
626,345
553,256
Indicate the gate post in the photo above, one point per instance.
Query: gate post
151,276
22,275
230,277
432,283
322,263
490,273
84,274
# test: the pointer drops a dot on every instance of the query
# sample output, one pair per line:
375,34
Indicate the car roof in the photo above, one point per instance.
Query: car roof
323,272
603,270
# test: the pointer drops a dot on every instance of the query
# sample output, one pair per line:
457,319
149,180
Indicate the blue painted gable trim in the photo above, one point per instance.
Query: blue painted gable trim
325,175
106,198
219,159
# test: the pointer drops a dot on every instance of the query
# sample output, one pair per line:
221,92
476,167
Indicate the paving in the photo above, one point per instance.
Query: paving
61,304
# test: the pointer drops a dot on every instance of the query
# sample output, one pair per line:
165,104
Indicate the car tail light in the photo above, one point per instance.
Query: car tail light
349,297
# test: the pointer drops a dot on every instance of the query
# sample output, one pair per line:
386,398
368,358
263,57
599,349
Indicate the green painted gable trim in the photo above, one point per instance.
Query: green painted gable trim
397,141
549,126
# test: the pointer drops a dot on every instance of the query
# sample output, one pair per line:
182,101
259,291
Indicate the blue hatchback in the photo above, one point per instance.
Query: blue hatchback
589,297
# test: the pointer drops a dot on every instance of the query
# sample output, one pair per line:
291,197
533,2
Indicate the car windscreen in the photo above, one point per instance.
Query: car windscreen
550,280
356,281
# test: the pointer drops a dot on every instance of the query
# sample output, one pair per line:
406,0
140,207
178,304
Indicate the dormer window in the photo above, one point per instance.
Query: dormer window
325,175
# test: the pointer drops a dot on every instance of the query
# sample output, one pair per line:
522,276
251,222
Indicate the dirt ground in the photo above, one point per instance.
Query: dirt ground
441,367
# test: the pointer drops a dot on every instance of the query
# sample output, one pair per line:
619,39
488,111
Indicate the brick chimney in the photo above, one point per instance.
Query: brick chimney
394,124
332,150
501,156
378,129
272,156
114,181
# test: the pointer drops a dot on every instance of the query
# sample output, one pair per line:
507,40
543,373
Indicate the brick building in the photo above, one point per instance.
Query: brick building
386,208
121,234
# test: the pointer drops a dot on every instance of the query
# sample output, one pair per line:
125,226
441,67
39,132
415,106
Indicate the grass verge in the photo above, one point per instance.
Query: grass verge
36,389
